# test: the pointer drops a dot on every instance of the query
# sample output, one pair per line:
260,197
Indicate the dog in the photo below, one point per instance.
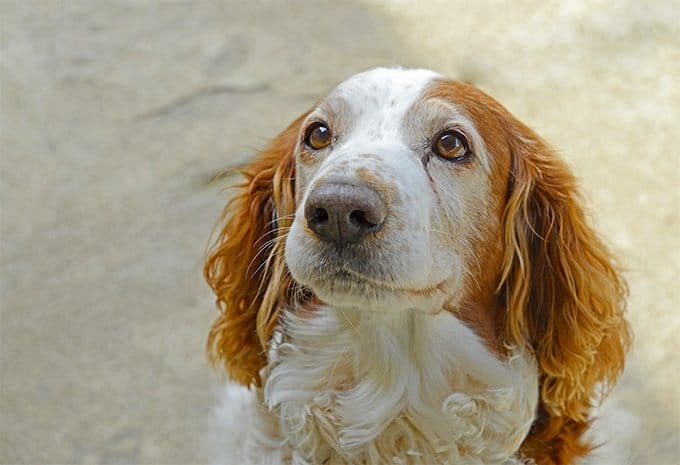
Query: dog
407,275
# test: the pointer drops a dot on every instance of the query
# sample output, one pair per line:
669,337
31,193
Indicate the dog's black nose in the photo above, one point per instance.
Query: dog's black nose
344,213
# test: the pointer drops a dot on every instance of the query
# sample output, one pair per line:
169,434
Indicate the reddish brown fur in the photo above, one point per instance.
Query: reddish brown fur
250,279
480,308
547,281
557,285
376,183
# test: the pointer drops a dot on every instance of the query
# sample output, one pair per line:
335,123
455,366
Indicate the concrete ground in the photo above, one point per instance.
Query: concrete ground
114,115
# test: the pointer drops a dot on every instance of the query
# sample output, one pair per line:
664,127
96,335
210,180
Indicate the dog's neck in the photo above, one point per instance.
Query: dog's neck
350,386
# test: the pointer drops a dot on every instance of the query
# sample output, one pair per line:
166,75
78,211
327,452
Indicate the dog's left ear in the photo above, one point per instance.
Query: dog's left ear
246,268
564,297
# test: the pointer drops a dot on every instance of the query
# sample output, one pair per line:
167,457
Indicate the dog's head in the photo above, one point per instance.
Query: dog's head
398,199
402,190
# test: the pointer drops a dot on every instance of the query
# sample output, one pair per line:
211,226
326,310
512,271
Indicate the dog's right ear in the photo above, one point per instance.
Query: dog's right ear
245,266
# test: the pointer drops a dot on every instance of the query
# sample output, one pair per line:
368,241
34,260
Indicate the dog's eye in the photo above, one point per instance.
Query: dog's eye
451,145
318,136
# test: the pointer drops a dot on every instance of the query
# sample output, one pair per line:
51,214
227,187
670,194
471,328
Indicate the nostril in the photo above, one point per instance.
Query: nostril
319,216
343,213
358,218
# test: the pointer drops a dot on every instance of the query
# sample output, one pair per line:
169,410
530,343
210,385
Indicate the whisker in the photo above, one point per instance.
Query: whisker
274,253
262,249
267,262
280,218
330,375
349,322
391,358
278,235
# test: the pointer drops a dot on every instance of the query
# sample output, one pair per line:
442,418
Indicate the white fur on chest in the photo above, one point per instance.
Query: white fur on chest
392,388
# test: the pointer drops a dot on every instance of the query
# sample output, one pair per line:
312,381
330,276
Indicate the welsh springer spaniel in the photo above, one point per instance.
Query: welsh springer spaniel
407,276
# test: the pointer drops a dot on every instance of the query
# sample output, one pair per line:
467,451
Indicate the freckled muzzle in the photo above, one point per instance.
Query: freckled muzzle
344,213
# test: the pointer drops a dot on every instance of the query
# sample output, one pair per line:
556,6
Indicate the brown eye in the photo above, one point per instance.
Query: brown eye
318,136
450,145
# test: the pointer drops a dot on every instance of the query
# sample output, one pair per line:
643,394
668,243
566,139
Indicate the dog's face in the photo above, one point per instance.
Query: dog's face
398,198
404,190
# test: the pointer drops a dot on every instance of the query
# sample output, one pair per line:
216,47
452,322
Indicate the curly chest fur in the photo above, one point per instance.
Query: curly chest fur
353,389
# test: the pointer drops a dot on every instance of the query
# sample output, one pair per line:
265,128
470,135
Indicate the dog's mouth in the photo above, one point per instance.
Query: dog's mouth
365,273
343,278
343,283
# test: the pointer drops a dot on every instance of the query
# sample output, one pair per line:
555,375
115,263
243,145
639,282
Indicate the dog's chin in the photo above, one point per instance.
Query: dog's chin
346,289
361,277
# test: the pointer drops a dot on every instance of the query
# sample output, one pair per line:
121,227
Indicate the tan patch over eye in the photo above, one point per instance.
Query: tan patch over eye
318,136
451,145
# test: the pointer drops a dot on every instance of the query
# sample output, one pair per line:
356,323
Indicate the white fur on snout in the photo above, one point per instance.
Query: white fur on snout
398,175
373,148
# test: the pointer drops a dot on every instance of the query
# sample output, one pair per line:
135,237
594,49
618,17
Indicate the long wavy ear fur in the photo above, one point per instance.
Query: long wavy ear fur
564,296
245,266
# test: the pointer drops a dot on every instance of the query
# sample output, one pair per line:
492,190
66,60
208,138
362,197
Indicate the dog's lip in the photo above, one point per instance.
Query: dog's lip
344,273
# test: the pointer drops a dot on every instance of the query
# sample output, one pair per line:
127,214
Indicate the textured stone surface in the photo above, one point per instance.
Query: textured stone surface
115,114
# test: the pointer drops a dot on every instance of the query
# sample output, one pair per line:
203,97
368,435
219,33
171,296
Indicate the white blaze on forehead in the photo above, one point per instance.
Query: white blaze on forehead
374,136
380,98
